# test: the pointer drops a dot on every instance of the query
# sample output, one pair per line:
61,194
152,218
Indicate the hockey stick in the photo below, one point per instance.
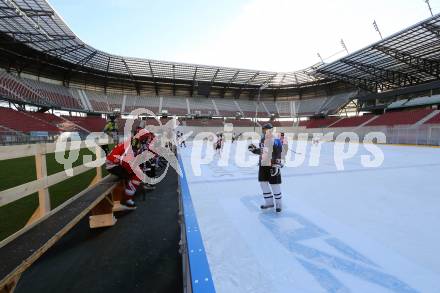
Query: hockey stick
296,152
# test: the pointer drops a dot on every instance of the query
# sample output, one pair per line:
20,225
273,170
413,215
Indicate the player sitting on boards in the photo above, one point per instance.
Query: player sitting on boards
118,163
145,145
270,163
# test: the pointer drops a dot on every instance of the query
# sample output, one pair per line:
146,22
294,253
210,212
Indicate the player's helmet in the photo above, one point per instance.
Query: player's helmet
151,136
112,117
142,135
267,126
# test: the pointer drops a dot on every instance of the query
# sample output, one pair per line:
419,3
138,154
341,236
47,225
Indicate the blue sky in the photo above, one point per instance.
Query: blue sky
278,35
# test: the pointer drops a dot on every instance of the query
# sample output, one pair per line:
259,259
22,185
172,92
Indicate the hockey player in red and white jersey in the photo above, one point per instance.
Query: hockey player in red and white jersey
118,163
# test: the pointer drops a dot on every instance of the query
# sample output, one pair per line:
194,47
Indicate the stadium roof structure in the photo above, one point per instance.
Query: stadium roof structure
407,58
31,32
36,24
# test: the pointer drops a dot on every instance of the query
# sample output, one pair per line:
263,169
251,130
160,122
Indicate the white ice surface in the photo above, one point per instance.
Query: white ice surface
390,217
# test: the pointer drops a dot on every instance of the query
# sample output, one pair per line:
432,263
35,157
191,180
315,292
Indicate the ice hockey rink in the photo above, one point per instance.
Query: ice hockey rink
353,230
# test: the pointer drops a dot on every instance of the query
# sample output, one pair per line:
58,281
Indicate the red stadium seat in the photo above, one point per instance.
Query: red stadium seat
353,121
434,120
205,122
280,123
24,122
176,111
92,124
240,122
319,123
400,118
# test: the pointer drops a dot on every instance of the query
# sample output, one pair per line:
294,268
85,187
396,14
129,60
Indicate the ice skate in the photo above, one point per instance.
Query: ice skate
129,203
278,204
268,203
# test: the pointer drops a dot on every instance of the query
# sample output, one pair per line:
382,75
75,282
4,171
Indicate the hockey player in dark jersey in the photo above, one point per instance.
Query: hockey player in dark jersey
271,155
219,143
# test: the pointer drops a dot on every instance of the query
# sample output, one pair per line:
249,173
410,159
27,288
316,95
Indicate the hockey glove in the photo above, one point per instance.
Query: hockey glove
276,167
252,148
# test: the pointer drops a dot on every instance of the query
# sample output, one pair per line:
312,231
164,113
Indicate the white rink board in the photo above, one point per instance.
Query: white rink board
357,230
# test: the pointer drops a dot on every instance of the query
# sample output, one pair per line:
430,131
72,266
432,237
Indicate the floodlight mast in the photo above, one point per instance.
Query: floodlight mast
376,27
262,87
320,58
429,7
344,46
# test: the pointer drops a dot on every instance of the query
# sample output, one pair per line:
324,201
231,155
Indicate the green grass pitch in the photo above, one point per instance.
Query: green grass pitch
14,172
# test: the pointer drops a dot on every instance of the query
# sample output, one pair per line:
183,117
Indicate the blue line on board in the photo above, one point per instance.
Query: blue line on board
201,277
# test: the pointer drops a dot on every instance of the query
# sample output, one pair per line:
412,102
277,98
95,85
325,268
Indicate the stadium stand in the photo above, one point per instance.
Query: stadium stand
353,121
63,123
58,95
248,108
150,103
434,120
284,108
175,105
50,118
153,121
334,103
226,107
4,129
400,118
240,122
12,88
130,104
202,105
398,104
310,107
270,106
92,124
279,123
423,101
148,121
121,124
319,123
70,123
99,101
24,122
81,96
114,102
416,102
303,123
204,122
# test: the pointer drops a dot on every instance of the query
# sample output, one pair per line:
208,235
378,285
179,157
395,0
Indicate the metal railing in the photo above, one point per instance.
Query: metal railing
427,134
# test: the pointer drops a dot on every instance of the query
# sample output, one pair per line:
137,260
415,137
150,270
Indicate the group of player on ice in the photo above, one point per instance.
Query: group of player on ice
271,151
220,140
119,158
